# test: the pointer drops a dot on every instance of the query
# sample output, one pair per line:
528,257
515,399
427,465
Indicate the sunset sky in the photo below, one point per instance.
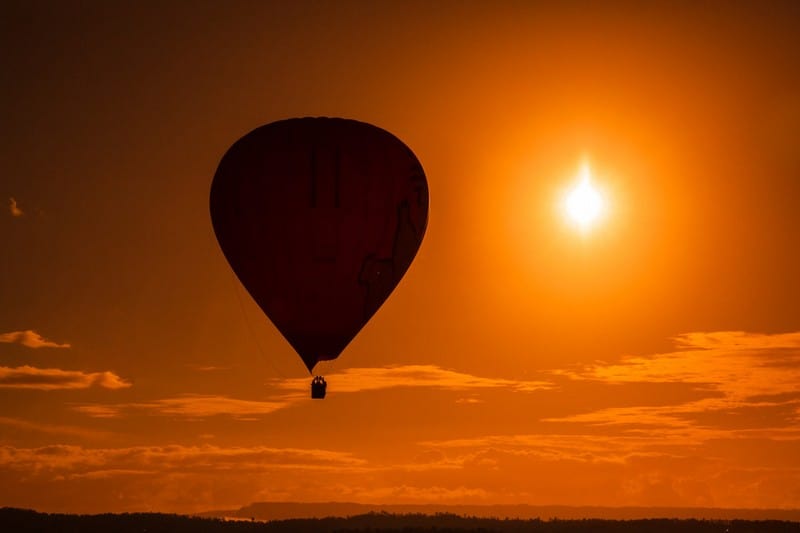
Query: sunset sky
651,359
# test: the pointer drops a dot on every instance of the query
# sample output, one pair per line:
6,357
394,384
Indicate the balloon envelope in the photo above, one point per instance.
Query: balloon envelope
319,218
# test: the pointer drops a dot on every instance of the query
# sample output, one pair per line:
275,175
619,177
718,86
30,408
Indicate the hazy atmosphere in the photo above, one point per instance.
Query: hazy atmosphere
650,357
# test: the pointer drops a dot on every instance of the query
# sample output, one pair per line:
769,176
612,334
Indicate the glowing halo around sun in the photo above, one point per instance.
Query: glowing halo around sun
583,204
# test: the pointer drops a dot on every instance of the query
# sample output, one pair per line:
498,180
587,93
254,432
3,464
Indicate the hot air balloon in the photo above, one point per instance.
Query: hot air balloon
319,218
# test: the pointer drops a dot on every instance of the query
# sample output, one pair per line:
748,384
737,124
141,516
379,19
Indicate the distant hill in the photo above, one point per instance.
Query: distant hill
287,510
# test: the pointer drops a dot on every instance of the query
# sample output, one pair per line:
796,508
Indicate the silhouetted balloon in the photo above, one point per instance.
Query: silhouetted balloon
319,218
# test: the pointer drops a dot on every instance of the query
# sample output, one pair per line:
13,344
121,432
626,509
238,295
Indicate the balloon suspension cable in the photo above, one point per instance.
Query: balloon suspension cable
235,285
253,335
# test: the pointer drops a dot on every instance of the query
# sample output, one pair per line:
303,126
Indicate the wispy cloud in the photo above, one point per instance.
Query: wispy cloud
207,368
28,377
737,340
111,473
98,410
289,392
31,339
738,370
78,460
736,363
549,447
192,406
202,406
16,211
429,494
421,376
51,429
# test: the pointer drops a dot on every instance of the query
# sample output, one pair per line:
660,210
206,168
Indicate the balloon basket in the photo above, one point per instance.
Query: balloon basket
318,387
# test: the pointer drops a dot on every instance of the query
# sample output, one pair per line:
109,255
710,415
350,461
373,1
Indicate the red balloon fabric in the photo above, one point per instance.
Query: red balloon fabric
319,218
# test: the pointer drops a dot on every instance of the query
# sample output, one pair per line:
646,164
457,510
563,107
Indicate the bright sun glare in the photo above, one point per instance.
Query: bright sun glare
583,203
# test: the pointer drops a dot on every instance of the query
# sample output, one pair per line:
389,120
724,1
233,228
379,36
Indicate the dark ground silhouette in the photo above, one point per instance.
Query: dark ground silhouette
21,520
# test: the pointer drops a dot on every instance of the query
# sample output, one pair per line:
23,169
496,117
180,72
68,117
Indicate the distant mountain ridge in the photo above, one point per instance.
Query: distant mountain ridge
288,510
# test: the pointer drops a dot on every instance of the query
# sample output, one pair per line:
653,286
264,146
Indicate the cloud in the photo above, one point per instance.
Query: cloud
716,421
28,377
422,376
582,448
737,340
290,392
469,400
31,339
52,429
413,494
207,368
74,460
737,364
16,211
98,411
192,406
110,473
637,468
172,478
747,380
201,406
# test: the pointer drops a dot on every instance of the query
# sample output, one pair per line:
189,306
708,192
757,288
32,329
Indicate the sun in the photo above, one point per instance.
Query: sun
583,204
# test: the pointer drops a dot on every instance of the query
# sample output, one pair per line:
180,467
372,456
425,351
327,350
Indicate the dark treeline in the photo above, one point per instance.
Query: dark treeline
14,520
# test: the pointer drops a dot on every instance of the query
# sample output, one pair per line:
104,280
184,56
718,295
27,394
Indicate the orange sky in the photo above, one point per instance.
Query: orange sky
655,361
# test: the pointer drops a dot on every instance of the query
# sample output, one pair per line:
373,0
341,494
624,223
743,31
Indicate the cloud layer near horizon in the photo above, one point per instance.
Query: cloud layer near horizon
713,422
158,477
